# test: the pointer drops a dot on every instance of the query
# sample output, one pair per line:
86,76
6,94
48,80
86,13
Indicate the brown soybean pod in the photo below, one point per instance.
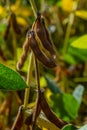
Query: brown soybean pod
15,24
48,62
50,114
24,54
47,33
48,38
41,33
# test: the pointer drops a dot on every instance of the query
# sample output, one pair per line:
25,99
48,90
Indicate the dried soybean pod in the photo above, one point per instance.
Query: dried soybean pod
24,54
15,24
40,31
47,32
48,62
18,121
7,29
49,38
49,113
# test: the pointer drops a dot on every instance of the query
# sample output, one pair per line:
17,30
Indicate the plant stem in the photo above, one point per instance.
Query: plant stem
80,79
42,4
34,8
37,75
71,20
29,74
9,6
38,94
27,90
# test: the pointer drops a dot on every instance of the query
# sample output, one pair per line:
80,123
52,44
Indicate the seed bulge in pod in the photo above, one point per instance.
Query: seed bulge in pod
40,31
48,62
48,38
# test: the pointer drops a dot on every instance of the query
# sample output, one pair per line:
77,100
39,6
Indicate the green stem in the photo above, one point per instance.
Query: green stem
34,8
29,75
27,90
37,75
80,79
38,94
9,6
42,4
71,20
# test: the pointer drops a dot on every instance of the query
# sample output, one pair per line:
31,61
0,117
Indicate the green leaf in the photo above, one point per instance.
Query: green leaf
59,3
79,54
10,80
82,14
80,43
83,127
78,92
69,59
62,105
76,53
2,27
52,85
42,82
69,127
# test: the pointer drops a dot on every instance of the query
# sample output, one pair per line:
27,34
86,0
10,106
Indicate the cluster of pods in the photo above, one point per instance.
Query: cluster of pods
38,39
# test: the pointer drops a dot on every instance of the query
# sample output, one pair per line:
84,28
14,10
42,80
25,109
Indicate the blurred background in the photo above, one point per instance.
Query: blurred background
66,85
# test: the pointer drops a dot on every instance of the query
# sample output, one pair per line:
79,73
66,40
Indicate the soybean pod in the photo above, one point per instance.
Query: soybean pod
41,32
48,62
